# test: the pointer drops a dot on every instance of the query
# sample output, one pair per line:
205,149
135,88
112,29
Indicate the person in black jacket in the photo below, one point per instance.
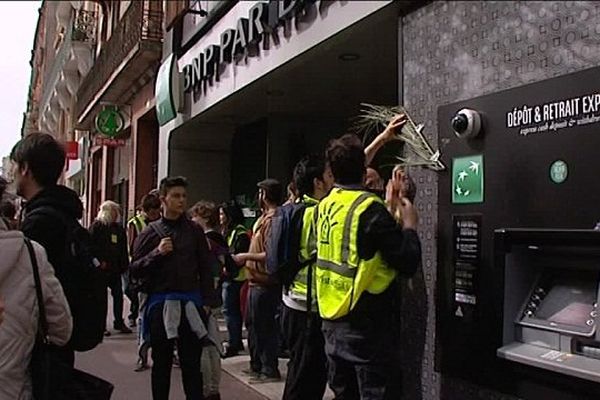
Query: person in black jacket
172,256
110,242
38,161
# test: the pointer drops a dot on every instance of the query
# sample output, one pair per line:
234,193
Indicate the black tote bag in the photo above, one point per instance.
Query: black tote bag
52,378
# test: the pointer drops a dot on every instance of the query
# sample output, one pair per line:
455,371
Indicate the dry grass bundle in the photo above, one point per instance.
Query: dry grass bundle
416,151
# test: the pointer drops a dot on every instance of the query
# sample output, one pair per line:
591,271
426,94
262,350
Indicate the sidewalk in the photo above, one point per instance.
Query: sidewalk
114,360
235,365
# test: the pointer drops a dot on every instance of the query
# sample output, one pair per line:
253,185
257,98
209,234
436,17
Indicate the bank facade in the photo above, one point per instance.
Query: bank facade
250,87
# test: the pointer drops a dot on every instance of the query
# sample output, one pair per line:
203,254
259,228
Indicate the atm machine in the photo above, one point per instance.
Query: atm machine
551,296
518,257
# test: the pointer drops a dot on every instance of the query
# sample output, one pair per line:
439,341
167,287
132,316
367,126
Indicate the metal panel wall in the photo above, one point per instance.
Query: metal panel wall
458,50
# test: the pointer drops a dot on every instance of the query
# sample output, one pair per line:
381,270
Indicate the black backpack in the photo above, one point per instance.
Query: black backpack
83,283
283,245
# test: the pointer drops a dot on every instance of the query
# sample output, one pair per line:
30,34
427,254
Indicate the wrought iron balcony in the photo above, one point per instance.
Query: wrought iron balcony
135,43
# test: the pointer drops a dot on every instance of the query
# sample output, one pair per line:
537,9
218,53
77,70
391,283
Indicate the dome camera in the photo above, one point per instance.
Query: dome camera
466,123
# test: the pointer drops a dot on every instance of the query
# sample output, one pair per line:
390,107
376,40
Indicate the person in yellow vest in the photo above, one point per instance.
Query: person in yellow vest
149,211
300,322
361,249
236,235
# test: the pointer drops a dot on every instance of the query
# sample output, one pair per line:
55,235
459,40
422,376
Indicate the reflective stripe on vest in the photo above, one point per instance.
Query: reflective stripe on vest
231,238
342,276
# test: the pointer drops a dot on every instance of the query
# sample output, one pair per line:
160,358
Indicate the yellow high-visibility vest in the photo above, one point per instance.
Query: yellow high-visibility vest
231,238
308,249
138,222
342,276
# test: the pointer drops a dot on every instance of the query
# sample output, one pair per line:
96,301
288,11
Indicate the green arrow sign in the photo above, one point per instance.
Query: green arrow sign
467,180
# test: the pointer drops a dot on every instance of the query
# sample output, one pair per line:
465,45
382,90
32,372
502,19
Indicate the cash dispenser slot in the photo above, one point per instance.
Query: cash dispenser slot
551,297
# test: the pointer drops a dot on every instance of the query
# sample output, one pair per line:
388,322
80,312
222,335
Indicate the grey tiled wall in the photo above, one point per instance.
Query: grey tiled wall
458,50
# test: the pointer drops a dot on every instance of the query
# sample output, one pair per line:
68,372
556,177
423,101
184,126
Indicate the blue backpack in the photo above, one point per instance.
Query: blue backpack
283,245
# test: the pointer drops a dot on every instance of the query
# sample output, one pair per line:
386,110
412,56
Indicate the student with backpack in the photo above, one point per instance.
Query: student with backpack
292,255
50,217
173,259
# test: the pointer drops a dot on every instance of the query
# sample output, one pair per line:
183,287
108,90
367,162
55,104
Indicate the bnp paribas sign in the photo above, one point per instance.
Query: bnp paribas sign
263,18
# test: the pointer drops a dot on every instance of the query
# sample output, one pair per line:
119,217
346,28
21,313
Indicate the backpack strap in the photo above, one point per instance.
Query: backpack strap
43,323
309,272
159,228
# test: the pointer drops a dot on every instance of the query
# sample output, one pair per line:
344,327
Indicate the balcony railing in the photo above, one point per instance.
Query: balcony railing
139,26
80,29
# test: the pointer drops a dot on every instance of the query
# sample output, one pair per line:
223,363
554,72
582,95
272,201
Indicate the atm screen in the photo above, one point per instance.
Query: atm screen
565,299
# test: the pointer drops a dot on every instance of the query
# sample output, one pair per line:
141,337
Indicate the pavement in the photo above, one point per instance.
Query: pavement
114,360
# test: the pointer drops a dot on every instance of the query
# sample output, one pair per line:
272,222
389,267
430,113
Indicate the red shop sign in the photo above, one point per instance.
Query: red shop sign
72,149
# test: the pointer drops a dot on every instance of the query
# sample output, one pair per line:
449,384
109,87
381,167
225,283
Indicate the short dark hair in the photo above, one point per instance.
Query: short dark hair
44,156
272,189
206,210
305,172
150,202
234,213
346,157
170,182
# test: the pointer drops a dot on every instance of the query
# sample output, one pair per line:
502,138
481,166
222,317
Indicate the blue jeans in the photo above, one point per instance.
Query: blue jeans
233,313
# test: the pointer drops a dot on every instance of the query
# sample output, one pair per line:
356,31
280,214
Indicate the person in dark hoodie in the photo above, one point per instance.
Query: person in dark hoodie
38,162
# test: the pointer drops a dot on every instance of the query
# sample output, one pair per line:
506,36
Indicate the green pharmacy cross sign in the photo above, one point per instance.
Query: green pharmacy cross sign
110,121
467,180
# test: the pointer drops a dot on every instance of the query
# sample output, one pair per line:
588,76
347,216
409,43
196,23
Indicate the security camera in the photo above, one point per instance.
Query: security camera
466,123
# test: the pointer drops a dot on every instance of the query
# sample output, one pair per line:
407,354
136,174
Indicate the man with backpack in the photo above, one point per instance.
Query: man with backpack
50,217
172,257
301,325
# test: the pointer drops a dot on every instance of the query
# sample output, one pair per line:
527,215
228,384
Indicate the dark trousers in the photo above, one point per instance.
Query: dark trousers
116,291
307,368
263,331
132,295
189,350
359,359
232,311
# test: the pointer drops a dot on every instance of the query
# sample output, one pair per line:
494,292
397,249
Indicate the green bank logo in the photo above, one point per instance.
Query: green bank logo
467,180
559,171
110,121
